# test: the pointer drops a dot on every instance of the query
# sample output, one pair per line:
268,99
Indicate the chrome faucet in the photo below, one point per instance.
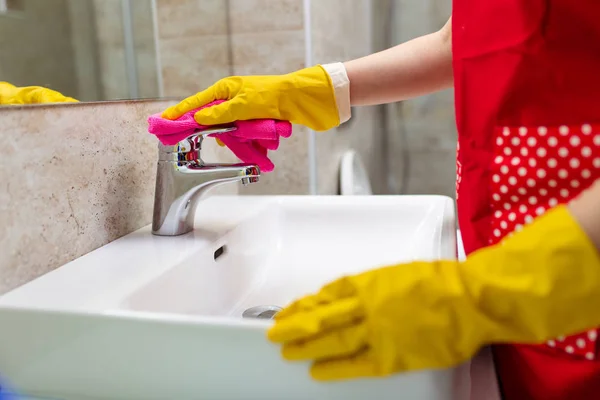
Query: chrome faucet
182,178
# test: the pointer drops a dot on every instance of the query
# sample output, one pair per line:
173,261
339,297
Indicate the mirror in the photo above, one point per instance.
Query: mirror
92,50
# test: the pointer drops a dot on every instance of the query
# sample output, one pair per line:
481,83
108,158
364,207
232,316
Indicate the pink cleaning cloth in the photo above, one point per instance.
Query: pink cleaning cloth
250,142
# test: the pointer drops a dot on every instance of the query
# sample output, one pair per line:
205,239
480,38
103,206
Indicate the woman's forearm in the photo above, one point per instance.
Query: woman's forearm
586,211
420,66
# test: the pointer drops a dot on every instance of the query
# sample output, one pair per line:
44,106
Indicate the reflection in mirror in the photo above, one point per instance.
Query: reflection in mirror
91,50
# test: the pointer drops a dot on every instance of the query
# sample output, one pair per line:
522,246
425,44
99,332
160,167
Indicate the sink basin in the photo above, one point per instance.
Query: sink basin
149,317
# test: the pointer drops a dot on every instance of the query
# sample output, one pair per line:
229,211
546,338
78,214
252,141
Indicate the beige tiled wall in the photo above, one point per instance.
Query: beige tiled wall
267,36
82,47
145,50
42,32
193,44
85,50
108,28
74,177
341,30
428,122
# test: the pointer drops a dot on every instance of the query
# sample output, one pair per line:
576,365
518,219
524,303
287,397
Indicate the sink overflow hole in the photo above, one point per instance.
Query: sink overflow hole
261,312
219,252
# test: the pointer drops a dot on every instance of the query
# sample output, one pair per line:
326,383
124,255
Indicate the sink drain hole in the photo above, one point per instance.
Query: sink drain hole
261,312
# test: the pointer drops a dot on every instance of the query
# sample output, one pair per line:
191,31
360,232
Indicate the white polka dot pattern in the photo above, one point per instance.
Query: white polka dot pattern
533,170
459,166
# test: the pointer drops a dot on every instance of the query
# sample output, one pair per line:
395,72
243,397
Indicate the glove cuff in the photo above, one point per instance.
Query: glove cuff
341,86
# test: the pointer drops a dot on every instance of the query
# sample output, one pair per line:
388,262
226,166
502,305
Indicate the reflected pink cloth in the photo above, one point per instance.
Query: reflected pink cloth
250,142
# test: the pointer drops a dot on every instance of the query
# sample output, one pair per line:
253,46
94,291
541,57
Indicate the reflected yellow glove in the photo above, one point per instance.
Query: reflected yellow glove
11,95
305,97
541,283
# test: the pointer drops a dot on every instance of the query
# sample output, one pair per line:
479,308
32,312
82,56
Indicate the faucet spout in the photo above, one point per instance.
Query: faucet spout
183,178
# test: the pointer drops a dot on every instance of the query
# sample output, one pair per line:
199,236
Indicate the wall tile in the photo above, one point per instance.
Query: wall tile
143,25
145,49
290,176
268,52
147,74
254,16
359,135
85,50
41,33
110,41
109,22
432,172
429,122
192,64
111,49
191,18
113,73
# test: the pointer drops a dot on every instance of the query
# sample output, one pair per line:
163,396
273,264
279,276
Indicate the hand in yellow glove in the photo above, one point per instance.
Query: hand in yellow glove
11,95
438,314
305,97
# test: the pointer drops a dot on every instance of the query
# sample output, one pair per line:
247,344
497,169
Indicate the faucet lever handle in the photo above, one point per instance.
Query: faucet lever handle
189,148
193,143
215,131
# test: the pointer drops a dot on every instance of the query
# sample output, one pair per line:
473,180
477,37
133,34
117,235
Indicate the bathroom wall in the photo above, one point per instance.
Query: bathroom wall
44,33
82,18
342,30
74,177
81,44
110,43
193,44
428,148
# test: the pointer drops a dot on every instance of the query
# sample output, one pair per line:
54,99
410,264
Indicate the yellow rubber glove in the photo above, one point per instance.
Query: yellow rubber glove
305,97
539,284
11,95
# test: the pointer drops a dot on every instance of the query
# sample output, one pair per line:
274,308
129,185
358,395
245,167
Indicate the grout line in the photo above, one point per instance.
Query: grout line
229,33
159,72
313,187
129,44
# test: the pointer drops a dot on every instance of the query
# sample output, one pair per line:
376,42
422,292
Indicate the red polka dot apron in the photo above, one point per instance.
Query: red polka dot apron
527,83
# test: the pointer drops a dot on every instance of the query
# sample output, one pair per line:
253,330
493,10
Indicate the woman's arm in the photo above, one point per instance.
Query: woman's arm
420,66
320,97
586,211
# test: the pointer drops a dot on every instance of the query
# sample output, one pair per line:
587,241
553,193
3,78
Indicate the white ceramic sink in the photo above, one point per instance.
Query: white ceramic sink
150,317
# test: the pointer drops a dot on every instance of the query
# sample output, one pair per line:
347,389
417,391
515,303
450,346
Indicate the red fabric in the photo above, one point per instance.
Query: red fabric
528,113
